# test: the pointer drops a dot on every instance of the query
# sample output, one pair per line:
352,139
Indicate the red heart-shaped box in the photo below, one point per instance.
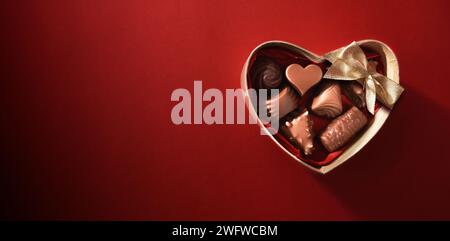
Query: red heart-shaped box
287,53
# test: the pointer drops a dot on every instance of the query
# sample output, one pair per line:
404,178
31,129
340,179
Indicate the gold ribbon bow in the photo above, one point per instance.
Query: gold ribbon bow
350,63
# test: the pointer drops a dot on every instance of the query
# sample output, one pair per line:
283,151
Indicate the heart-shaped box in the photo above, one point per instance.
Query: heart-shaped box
390,69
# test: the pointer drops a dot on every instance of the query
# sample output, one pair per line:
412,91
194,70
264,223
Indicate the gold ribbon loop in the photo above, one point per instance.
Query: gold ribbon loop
350,64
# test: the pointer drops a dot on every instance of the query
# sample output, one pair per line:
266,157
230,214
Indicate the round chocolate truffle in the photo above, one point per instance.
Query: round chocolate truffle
266,73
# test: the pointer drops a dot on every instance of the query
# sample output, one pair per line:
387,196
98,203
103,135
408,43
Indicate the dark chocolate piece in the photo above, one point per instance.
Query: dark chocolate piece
285,102
303,78
266,73
342,129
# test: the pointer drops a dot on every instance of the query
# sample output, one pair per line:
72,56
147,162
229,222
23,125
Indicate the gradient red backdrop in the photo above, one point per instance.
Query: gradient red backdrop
85,112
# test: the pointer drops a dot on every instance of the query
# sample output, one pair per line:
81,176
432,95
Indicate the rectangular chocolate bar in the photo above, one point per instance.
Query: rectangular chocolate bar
343,129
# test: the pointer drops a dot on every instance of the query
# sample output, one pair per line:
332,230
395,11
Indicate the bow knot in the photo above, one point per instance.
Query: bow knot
350,64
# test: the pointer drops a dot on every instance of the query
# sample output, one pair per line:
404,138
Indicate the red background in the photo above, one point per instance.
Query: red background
85,112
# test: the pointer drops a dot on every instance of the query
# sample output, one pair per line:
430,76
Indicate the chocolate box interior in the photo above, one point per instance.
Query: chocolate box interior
284,57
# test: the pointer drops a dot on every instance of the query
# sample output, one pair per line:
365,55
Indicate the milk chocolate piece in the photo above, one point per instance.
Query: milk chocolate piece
342,129
328,103
285,102
266,73
355,92
301,133
303,78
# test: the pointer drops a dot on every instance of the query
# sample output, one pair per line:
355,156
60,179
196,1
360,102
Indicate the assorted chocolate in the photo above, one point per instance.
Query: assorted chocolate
323,99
